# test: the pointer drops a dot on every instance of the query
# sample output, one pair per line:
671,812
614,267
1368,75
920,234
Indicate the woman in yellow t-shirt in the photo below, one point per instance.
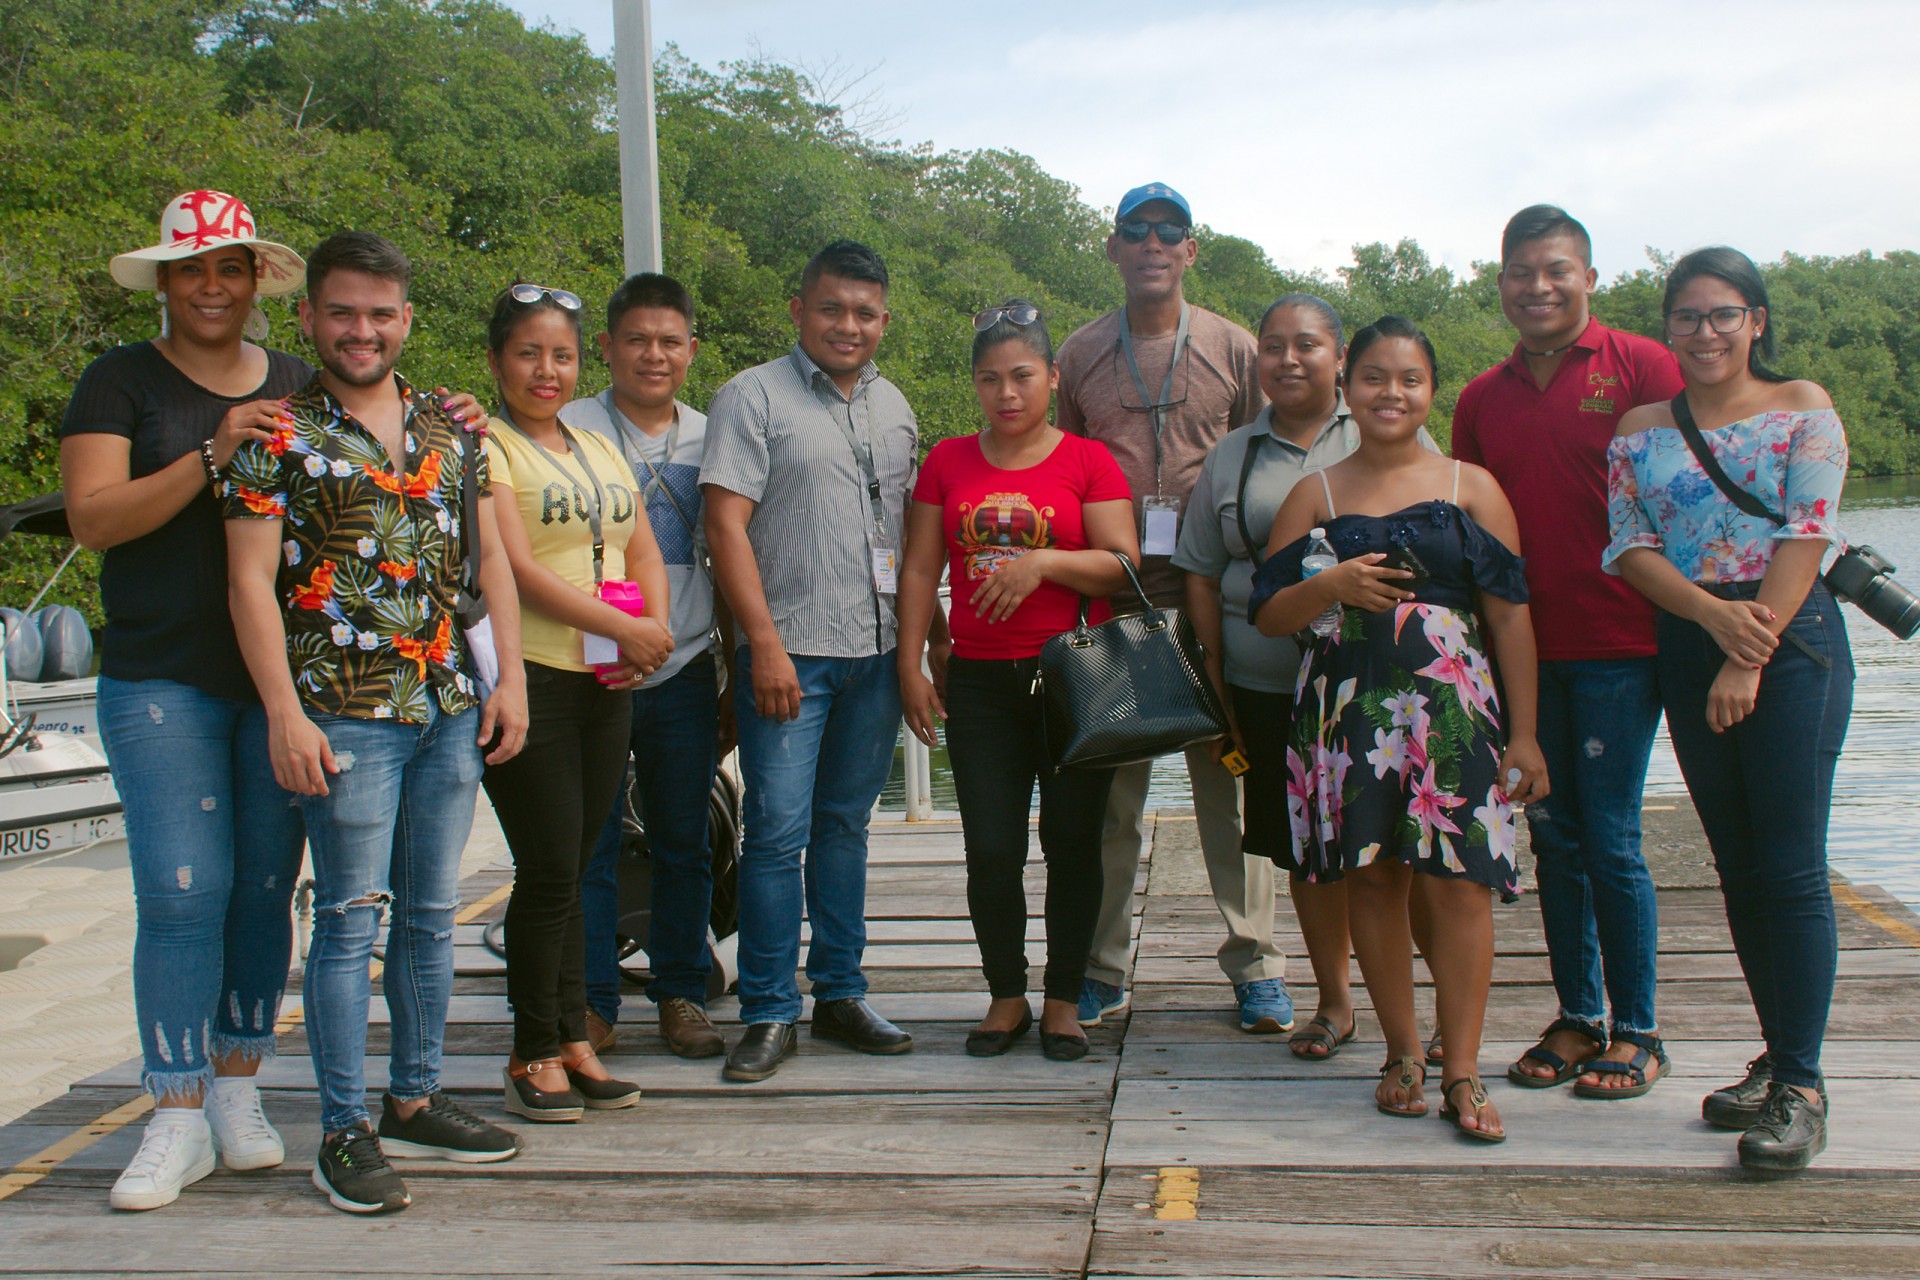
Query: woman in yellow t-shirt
569,523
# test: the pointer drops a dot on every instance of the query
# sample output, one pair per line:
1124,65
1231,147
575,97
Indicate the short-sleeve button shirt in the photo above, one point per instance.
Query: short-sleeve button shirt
775,435
371,562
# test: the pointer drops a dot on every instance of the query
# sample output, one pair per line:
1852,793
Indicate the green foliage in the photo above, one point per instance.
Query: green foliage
485,148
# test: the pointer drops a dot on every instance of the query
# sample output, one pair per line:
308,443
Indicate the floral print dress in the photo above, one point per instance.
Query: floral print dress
1394,750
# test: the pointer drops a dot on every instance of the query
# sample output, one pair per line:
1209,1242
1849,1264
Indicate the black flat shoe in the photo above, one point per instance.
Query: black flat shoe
600,1095
1738,1105
991,1044
1063,1048
853,1023
762,1048
1788,1133
525,1098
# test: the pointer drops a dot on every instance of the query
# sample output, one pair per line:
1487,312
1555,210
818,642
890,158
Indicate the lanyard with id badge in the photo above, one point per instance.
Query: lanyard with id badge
886,568
1159,513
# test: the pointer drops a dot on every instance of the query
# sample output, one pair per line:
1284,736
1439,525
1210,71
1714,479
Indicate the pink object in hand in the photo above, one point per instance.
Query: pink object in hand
624,596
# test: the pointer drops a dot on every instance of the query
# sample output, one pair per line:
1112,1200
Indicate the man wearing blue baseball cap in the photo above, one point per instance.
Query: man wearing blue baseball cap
1159,381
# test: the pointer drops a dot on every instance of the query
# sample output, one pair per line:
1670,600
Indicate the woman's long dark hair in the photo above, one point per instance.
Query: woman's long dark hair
1736,269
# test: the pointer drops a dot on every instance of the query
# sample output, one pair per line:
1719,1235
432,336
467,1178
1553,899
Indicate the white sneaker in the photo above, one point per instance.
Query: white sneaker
177,1151
241,1132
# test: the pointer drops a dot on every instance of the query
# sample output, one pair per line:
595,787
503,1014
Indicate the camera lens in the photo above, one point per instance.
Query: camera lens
1891,605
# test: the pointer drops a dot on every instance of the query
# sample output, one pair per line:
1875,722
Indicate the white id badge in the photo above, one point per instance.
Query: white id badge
1162,520
886,574
598,649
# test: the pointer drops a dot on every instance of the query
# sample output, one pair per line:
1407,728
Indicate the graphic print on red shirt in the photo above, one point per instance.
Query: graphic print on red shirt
991,516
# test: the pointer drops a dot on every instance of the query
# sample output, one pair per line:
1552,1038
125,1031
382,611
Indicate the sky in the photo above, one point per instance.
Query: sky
1310,127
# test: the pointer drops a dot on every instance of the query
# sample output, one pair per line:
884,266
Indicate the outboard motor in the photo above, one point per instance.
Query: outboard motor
66,645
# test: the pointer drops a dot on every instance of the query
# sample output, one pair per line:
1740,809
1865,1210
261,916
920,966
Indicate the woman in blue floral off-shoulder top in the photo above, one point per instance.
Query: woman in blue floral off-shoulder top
1754,668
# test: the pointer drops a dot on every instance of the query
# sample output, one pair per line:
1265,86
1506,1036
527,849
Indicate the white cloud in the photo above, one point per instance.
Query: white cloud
1772,125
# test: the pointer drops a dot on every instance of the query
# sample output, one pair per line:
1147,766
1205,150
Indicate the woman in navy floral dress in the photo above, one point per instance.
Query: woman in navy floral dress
1401,760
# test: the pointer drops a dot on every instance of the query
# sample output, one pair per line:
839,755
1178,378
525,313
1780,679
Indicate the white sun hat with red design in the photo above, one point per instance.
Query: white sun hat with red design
199,222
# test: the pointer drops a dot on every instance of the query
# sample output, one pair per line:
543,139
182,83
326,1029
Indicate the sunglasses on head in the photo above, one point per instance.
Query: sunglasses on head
1170,233
528,294
1022,313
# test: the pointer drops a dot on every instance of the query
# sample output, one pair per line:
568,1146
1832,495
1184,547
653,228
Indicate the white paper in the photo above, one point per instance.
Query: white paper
486,661
599,649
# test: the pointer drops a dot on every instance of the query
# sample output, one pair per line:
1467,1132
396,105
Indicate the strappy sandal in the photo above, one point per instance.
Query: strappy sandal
1563,1070
1412,1072
1477,1100
1435,1051
1320,1031
1647,1048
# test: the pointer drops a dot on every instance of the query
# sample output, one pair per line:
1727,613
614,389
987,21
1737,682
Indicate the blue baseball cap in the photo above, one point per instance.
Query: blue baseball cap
1150,192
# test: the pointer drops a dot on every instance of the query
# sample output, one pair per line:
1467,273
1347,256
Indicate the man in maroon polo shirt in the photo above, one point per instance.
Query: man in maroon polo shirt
1541,421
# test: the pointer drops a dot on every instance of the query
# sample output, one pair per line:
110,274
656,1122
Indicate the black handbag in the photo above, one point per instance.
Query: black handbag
1132,688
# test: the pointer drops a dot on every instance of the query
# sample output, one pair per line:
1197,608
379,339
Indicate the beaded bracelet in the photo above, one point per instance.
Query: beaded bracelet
206,460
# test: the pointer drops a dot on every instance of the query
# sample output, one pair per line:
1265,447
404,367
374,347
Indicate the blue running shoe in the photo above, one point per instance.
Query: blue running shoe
1265,1007
1098,999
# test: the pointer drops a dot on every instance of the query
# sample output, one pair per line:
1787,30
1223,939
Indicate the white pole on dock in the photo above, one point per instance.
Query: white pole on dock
639,139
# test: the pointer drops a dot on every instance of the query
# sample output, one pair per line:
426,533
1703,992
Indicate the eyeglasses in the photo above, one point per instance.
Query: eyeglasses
1020,313
528,294
1684,324
1170,233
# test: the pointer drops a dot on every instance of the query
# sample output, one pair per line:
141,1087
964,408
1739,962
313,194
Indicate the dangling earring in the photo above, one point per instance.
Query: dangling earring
166,325
255,329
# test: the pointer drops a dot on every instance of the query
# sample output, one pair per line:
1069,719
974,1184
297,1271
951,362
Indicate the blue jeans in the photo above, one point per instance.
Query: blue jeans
1764,789
810,785
674,741
1597,721
214,845
389,833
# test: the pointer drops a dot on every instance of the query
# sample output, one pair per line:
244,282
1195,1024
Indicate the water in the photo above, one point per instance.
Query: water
1872,835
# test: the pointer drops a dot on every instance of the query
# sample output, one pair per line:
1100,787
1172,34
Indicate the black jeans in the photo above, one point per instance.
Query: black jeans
1265,831
552,800
1763,789
994,744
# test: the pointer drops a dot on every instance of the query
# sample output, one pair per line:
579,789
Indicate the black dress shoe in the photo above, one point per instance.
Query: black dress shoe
1062,1048
991,1044
1788,1134
1738,1105
857,1026
763,1047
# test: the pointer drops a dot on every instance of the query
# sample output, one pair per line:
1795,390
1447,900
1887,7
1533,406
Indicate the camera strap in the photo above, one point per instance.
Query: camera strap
1690,432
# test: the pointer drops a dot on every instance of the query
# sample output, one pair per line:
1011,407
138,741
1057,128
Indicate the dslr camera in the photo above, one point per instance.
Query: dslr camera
1865,577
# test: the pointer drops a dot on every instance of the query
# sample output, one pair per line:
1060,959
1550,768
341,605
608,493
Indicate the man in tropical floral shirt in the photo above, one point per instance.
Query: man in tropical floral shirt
345,549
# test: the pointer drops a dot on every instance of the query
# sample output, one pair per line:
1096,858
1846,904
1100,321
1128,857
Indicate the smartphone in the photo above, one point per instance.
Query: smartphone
1403,558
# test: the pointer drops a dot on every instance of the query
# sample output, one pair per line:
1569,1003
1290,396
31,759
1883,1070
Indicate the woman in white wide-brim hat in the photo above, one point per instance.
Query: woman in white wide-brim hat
213,842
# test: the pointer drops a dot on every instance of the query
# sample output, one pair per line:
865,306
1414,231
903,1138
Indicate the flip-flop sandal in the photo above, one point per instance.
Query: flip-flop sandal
1408,1065
1477,1097
1435,1058
1321,1031
1646,1049
1563,1070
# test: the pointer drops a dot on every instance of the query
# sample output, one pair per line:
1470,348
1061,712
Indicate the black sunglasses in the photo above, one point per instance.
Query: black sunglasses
1170,233
528,294
1020,313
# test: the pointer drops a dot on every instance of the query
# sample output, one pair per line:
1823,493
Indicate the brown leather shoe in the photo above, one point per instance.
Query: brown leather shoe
687,1030
601,1034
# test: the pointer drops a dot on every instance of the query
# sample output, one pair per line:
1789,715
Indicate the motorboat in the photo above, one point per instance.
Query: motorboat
56,794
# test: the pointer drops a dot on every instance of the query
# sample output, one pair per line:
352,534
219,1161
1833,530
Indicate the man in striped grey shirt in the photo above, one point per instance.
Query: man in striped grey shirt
809,462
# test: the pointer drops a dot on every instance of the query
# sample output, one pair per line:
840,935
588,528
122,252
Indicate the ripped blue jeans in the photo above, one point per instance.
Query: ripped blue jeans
214,846
388,835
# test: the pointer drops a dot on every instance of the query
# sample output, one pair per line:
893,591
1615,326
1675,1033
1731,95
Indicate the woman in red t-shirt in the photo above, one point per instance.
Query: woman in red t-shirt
1030,518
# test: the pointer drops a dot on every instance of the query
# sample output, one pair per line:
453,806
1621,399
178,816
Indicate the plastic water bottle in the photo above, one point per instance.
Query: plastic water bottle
1320,556
624,596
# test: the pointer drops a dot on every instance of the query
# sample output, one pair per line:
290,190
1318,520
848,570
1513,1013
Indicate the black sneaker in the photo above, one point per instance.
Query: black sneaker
354,1173
1788,1134
1738,1105
442,1130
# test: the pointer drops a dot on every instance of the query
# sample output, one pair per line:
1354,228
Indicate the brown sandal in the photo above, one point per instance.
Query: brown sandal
1320,1031
1409,1066
1477,1099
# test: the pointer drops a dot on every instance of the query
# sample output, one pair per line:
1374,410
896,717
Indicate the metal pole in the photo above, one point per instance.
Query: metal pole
639,140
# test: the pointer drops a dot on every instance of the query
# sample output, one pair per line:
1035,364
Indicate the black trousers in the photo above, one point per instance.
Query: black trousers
995,746
1264,828
552,800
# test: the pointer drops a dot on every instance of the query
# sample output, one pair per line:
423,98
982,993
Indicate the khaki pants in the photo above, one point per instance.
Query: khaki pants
1242,886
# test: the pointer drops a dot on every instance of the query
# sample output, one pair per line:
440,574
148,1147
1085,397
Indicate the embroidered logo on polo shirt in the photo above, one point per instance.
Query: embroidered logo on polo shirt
1601,388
